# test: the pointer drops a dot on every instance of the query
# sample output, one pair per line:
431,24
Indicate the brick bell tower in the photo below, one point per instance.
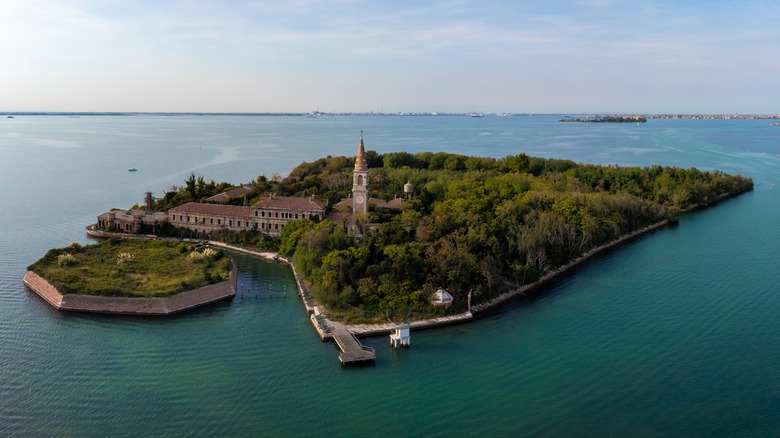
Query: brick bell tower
360,181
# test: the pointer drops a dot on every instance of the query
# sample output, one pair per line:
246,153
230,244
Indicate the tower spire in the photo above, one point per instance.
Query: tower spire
360,197
361,165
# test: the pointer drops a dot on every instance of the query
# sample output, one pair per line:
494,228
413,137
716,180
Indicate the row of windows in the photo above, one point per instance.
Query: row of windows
269,227
117,225
238,223
231,222
285,215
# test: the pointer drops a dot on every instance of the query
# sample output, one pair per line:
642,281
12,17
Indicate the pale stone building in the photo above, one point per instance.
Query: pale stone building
207,218
269,215
272,213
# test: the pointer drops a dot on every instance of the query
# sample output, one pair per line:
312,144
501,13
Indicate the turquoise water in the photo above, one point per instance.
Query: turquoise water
674,334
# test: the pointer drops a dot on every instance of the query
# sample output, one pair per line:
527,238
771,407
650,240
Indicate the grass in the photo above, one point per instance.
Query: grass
132,268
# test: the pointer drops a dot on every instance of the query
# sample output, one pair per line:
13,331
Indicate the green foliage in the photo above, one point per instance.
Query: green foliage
291,232
482,225
132,268
66,259
195,189
473,224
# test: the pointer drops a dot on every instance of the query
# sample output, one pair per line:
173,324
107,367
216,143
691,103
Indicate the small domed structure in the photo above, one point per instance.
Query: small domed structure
442,298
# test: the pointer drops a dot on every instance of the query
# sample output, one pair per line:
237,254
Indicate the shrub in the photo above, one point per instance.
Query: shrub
124,257
65,259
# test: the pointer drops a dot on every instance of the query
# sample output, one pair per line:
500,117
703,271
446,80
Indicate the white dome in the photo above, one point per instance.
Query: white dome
441,298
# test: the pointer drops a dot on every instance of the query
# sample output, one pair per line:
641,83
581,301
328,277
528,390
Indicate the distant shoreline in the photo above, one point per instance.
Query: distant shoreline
607,119
695,116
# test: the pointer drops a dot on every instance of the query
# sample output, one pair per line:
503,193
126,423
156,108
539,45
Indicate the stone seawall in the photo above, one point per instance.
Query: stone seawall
322,324
129,305
367,330
564,270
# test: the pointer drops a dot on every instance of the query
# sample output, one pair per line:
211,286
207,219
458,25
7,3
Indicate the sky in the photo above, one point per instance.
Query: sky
589,56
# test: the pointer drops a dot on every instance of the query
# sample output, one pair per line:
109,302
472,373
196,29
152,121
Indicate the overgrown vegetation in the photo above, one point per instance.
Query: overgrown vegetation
481,224
132,268
473,224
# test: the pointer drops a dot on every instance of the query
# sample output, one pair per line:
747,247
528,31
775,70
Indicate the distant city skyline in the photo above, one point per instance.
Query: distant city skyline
590,56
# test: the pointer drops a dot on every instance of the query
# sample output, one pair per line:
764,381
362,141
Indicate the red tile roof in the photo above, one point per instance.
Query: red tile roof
213,209
393,203
236,192
290,203
376,202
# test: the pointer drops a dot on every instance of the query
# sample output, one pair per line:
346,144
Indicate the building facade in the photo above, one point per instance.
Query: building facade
269,215
207,218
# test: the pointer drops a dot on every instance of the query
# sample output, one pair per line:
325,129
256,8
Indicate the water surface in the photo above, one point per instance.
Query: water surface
674,334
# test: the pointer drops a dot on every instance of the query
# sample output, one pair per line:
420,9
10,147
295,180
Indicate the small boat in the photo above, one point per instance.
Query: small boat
132,169
10,117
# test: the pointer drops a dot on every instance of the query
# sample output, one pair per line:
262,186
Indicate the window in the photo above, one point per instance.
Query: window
211,221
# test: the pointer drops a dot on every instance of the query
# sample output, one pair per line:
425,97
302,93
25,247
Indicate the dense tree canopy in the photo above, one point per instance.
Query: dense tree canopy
473,223
481,224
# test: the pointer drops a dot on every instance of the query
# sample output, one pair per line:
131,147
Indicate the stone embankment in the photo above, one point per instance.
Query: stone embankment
564,270
131,305
325,327
366,330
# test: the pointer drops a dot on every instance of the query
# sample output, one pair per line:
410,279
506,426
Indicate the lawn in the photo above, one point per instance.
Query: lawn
132,268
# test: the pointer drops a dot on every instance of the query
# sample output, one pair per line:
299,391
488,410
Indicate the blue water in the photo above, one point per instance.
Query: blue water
674,334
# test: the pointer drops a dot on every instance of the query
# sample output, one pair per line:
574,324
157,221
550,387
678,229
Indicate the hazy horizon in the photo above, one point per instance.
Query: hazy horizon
589,56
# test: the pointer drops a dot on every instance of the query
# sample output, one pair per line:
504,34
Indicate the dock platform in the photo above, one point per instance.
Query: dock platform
352,351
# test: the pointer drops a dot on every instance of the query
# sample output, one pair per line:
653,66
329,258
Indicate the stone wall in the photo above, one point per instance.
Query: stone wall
129,305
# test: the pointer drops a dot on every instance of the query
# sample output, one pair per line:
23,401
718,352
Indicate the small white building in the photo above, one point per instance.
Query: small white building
442,298
400,336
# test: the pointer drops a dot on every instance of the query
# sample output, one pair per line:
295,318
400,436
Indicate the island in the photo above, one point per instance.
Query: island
133,276
374,237
378,243
608,119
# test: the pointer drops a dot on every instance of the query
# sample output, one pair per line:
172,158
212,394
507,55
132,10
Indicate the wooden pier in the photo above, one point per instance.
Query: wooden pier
352,351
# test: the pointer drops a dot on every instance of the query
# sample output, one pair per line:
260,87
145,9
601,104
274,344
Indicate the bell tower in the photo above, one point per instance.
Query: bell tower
360,181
